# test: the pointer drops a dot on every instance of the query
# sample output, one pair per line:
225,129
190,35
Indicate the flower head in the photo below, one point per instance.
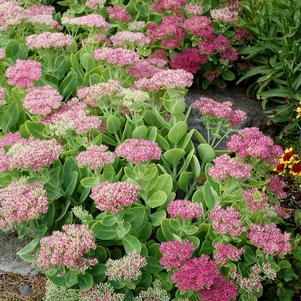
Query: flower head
102,292
47,40
124,38
2,94
90,21
277,186
184,209
255,199
199,26
119,13
225,253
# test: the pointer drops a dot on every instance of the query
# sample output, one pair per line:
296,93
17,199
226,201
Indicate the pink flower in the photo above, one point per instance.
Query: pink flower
24,73
230,54
196,274
143,69
4,161
33,153
91,20
225,167
124,38
221,290
46,20
2,53
94,4
2,95
241,34
189,60
224,14
119,13
10,139
42,100
184,209
161,5
67,248
21,201
175,253
194,9
277,186
113,197
281,211
225,253
255,199
102,292
171,43
47,40
208,106
95,156
252,142
199,26
226,221
11,14
139,150
40,10
270,239
127,268
117,56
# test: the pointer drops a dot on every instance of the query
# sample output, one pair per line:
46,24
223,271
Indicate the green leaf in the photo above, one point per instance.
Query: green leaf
90,182
131,244
164,183
275,93
32,128
123,229
140,132
228,75
206,152
113,124
98,272
72,184
85,281
195,165
177,132
174,156
69,85
33,245
12,49
87,61
157,199
9,117
157,217
167,230
210,195
104,232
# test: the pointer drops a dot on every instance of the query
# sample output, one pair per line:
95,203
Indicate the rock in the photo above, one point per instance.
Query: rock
25,290
9,261
252,107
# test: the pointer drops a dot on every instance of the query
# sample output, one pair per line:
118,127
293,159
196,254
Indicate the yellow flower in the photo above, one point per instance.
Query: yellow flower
299,110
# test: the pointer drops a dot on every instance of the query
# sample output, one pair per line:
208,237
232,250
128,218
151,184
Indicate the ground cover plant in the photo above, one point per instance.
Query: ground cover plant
121,199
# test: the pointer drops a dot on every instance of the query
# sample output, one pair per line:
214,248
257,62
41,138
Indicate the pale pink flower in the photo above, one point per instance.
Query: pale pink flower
2,95
42,100
67,248
226,221
95,156
33,153
225,167
91,20
175,253
119,13
171,43
117,56
44,20
21,201
127,268
270,239
199,26
24,73
277,186
4,161
10,139
281,211
143,69
224,14
113,197
255,199
225,253
11,14
124,38
102,292
47,40
194,9
40,10
196,274
2,53
184,209
136,26
139,150
161,5
94,4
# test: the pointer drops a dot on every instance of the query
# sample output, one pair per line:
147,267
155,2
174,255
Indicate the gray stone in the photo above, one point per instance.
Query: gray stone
9,261
252,107
25,290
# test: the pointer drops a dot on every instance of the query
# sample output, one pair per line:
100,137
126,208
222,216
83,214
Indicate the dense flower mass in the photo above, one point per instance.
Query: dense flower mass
113,197
162,5
139,150
42,100
270,239
255,199
119,13
127,268
94,4
226,221
123,38
11,14
184,209
102,292
4,161
92,20
95,156
48,40
67,248
175,253
194,9
225,167
252,142
117,56
277,186
213,108
225,14
9,139
144,69
24,73
21,201
154,293
225,253
33,153
199,26
196,274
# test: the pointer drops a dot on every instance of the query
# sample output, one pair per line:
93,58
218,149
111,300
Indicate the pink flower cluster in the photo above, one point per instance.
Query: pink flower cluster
40,10
252,142
102,292
21,201
226,221
92,95
91,20
161,6
72,115
67,248
119,13
95,156
113,197
124,38
10,139
199,26
166,79
224,14
225,167
255,199
127,268
33,153
4,161
47,40
184,209
94,4
210,107
116,56
2,94
42,14
225,253
189,60
11,14
270,239
194,9
175,253
24,73
139,150
42,100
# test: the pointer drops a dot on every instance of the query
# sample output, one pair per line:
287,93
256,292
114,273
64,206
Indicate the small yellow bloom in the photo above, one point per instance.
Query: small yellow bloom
299,111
